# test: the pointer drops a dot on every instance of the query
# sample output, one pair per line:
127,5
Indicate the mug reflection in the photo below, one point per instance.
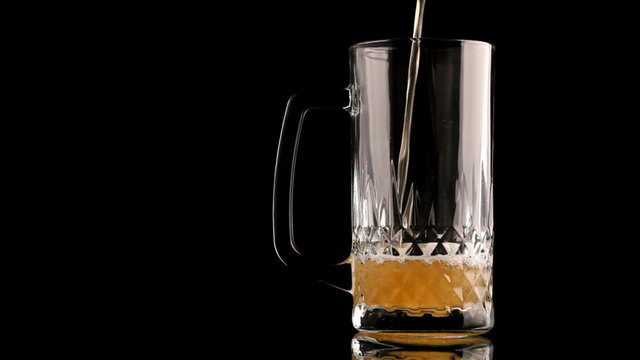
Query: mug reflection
381,346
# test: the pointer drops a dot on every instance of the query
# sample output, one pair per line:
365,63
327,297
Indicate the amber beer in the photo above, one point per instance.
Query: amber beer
450,286
435,287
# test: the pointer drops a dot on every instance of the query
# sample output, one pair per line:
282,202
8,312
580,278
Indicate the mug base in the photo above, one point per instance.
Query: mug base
456,324
433,339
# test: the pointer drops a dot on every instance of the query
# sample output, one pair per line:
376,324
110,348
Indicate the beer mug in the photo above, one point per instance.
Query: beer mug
422,189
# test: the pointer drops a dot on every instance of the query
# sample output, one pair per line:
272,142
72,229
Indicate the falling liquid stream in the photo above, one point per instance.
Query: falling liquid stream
414,63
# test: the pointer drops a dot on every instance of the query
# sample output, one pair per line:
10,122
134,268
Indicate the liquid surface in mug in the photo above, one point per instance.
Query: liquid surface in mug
417,286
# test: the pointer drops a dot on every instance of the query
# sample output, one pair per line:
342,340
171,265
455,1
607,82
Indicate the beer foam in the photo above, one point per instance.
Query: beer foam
450,259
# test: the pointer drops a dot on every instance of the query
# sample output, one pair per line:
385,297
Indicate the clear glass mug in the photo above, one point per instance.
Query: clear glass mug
422,186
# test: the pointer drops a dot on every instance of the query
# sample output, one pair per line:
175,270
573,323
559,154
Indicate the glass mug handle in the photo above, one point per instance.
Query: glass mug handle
283,183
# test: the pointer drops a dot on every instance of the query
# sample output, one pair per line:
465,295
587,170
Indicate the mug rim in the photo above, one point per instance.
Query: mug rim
382,42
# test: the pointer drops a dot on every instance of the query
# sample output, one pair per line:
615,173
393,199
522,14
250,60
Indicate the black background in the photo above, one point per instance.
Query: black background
218,81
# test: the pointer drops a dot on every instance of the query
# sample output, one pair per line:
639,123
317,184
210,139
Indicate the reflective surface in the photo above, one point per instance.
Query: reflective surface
512,344
377,346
